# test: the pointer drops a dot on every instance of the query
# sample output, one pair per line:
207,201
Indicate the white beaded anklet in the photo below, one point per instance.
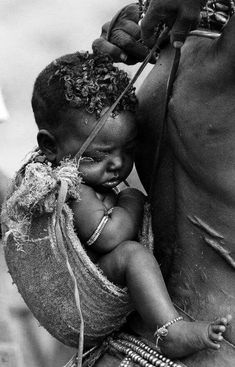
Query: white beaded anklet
163,330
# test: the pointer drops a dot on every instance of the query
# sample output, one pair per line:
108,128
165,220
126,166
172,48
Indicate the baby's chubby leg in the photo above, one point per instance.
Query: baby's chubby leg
132,265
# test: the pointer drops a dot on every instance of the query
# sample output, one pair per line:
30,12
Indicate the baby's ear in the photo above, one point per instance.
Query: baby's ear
47,144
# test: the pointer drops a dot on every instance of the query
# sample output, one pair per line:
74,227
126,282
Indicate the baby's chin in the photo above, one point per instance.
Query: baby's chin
107,186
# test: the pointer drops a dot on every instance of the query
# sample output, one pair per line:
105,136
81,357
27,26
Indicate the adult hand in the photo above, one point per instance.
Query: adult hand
121,38
180,15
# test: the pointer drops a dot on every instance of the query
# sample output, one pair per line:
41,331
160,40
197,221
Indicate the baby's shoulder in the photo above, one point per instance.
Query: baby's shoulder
108,199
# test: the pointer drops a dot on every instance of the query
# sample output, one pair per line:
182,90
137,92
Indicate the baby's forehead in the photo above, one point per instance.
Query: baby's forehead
118,130
81,120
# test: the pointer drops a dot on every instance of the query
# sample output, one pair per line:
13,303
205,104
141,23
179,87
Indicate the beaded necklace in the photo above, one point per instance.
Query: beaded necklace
139,352
214,15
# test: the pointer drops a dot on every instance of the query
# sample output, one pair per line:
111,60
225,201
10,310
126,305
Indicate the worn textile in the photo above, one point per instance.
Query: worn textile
38,267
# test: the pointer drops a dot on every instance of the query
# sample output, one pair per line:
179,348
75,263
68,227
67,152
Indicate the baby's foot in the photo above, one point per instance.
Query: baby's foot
185,337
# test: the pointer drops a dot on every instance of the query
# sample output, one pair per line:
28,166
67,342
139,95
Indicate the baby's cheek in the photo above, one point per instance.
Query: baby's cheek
85,170
93,173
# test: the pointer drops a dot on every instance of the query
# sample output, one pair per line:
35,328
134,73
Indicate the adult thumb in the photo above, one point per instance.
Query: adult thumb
184,23
153,17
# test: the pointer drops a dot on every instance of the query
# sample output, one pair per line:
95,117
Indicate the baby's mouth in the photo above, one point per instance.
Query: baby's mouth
114,181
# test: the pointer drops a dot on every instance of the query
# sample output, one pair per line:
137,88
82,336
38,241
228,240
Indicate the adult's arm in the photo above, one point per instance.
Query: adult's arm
121,38
123,42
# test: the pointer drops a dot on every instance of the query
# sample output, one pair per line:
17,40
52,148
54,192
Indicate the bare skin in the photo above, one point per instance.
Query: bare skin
120,261
124,46
106,163
189,335
183,337
196,181
193,216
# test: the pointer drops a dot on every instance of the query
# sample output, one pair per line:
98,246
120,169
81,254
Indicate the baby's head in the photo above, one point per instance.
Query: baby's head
69,96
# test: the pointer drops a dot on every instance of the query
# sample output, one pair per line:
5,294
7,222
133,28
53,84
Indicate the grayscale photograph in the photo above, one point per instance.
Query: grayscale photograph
117,183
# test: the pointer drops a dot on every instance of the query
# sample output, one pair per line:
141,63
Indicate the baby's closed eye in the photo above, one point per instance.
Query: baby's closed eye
94,157
87,160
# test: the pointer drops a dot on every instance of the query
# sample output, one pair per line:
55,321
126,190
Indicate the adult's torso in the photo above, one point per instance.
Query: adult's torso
194,189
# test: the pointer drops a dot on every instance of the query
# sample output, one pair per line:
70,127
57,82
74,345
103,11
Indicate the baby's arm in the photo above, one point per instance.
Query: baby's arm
123,223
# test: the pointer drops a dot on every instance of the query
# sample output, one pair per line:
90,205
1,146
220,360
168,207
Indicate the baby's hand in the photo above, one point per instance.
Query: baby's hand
133,193
132,200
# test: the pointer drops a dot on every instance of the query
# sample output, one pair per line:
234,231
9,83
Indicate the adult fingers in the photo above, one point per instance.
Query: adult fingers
156,13
103,46
124,32
186,20
124,43
130,12
180,15
135,50
120,38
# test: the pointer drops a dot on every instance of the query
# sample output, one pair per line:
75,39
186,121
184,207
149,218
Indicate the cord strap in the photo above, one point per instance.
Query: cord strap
60,242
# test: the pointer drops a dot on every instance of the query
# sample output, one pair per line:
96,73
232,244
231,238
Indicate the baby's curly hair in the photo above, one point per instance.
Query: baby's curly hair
81,81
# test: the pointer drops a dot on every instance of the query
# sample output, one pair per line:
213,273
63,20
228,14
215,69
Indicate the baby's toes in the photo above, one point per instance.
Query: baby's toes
214,340
216,337
224,320
217,328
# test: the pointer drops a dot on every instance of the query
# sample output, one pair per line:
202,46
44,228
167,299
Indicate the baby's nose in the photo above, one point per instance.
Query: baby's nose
115,162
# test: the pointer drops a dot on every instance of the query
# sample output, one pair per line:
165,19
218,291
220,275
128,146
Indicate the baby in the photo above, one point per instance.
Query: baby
68,98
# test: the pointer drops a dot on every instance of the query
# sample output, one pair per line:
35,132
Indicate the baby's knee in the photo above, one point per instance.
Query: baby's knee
115,264
130,249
